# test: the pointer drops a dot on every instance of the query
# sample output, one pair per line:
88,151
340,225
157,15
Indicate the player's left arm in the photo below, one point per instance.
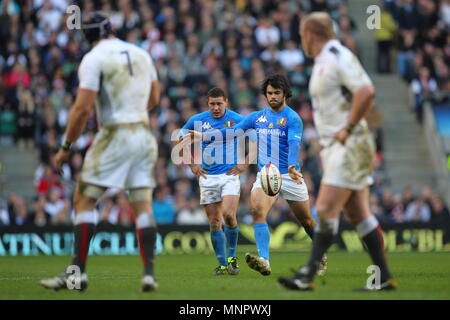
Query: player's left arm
355,79
155,95
155,88
295,129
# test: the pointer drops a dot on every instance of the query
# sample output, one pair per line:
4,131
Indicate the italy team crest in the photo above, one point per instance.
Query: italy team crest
281,122
228,123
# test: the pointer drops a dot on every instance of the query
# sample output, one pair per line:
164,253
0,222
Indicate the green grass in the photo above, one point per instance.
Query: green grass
180,277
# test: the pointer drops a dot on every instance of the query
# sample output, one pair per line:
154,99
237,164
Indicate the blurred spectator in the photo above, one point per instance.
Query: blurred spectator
406,53
417,211
8,126
398,210
41,217
388,204
110,211
422,87
26,120
48,180
163,207
384,37
18,211
125,215
407,196
267,33
291,56
439,211
192,214
56,207
4,213
376,208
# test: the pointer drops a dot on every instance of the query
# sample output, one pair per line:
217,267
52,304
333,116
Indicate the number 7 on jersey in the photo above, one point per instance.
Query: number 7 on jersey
130,68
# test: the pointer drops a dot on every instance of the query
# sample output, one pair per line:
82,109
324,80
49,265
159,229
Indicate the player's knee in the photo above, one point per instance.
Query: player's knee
324,211
230,219
86,196
257,213
140,195
82,202
308,222
215,224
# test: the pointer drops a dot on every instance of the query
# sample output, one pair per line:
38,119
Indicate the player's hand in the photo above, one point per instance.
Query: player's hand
295,175
196,136
237,169
198,171
61,157
342,136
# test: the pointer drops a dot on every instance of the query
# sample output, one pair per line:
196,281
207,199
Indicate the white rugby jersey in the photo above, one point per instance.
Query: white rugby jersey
336,74
121,73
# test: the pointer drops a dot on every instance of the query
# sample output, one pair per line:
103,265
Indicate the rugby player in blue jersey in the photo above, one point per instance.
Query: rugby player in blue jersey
219,179
279,132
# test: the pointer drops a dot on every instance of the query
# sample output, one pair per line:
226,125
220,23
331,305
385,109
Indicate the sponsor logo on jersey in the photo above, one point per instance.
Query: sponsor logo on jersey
270,125
281,122
228,123
275,132
262,119
206,126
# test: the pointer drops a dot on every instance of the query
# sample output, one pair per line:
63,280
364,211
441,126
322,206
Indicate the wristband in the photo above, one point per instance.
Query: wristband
350,127
67,146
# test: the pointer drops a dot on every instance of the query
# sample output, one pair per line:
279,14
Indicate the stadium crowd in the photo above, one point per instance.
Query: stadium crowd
419,31
195,45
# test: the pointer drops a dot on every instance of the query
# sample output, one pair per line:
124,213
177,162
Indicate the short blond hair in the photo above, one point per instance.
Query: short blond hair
320,24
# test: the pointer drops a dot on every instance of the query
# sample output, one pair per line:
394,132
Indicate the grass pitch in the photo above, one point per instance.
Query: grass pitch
187,277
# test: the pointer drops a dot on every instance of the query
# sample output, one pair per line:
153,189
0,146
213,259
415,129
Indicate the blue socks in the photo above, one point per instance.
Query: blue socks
262,237
218,242
232,238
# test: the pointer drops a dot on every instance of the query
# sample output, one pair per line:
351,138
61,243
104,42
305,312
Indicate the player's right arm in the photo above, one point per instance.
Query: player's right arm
196,169
355,79
89,76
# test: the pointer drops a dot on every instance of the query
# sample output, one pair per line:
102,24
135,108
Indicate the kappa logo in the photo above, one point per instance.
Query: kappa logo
206,126
262,119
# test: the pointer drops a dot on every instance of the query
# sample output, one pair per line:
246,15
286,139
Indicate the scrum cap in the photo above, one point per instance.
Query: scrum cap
96,26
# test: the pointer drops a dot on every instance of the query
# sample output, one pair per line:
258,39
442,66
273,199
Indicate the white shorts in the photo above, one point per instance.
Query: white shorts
122,157
290,190
215,186
349,166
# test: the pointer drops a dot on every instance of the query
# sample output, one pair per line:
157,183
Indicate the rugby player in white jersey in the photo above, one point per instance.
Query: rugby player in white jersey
121,80
341,93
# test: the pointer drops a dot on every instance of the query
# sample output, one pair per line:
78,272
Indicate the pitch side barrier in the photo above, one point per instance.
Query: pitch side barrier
174,239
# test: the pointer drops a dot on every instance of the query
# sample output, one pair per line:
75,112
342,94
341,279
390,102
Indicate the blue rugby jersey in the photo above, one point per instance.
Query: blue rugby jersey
279,136
206,122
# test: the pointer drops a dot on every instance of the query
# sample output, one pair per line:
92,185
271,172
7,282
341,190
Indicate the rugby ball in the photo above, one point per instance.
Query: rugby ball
270,178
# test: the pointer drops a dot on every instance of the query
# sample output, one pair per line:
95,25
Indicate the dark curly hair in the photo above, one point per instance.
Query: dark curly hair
278,81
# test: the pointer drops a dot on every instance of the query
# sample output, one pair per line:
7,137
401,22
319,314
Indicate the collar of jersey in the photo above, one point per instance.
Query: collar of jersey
226,110
327,45
270,110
